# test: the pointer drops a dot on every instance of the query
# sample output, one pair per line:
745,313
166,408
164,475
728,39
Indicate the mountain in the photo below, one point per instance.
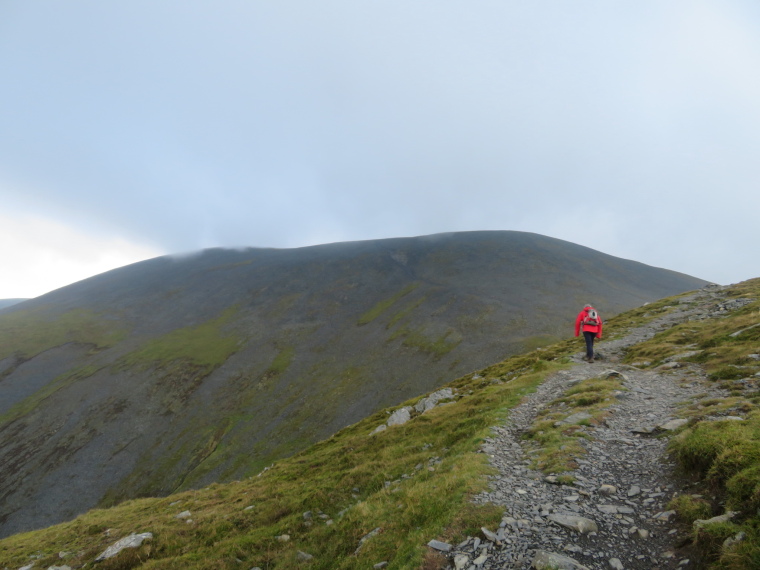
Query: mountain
9,302
365,498
177,372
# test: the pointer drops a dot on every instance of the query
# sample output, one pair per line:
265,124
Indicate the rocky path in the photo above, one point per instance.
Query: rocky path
615,515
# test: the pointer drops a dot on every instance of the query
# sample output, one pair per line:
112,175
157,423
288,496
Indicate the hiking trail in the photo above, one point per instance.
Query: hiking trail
615,513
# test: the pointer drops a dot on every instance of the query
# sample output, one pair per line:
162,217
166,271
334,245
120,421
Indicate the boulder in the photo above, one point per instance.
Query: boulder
438,545
131,541
575,418
674,424
544,560
574,522
727,516
366,537
400,416
731,540
432,400
682,356
489,535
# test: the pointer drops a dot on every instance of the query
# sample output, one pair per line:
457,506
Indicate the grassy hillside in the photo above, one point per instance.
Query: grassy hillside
413,482
161,376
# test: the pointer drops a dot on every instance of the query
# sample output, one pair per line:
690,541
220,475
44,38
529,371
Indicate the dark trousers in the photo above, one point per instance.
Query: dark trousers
589,336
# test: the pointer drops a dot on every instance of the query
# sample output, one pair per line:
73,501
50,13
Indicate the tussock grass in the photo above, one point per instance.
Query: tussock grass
719,451
724,455
690,508
702,408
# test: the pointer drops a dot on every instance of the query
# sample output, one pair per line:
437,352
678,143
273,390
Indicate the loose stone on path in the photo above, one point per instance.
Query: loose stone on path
614,514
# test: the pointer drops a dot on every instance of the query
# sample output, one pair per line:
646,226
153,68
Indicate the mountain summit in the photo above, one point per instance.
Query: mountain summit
176,372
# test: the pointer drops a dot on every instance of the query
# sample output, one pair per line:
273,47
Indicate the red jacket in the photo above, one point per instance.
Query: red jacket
590,328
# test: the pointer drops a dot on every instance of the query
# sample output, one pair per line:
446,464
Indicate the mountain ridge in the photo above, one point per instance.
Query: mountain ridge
10,302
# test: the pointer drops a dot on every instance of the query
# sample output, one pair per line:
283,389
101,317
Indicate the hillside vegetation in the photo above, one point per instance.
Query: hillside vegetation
174,373
414,482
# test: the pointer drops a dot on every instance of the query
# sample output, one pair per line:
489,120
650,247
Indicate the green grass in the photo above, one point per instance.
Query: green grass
27,405
556,443
384,305
29,332
282,361
620,324
721,451
724,356
723,455
413,481
206,345
690,508
416,339
405,311
538,341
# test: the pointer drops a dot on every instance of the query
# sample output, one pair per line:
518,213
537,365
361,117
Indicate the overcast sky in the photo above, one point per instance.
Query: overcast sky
131,129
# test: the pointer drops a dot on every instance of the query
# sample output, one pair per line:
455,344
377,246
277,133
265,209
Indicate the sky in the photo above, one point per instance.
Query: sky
131,129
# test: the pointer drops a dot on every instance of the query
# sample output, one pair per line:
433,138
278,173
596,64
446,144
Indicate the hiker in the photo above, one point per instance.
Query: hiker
592,328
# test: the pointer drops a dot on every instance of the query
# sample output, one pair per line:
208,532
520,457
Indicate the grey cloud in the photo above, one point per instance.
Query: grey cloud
255,123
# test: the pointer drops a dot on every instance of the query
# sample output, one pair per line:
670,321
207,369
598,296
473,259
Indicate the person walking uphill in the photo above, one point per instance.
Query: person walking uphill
591,323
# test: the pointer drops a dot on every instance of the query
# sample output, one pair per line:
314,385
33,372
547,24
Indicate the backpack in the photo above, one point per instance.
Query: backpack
591,318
